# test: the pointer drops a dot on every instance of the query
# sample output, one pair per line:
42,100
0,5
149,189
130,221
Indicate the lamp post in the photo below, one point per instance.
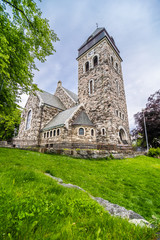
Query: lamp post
145,130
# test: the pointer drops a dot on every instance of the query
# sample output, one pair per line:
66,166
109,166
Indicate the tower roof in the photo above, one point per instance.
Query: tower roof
94,38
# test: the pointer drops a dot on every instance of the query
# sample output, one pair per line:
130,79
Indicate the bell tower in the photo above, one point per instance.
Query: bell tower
101,88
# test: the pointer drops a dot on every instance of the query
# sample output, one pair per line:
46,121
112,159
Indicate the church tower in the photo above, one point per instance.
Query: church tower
101,88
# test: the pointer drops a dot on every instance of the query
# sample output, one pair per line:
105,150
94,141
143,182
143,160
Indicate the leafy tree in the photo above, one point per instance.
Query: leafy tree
152,119
24,37
9,124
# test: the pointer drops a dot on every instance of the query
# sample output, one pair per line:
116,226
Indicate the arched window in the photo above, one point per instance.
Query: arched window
116,66
81,131
92,132
117,113
87,66
95,61
117,87
54,132
58,132
91,86
29,116
44,135
50,133
103,131
47,134
111,60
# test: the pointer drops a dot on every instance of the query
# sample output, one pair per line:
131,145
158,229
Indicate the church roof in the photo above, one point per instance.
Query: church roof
82,119
94,38
50,99
61,118
71,94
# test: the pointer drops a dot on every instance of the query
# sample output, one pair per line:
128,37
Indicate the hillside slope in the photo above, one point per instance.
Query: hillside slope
33,206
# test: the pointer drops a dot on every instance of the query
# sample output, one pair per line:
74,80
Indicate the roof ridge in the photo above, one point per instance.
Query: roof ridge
69,92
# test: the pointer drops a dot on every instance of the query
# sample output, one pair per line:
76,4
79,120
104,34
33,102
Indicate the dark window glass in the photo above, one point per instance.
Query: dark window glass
54,133
50,133
112,60
95,61
44,135
81,131
87,66
47,134
117,67
103,131
92,132
91,87
57,132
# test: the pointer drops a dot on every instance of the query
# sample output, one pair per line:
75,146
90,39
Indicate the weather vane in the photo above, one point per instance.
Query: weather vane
97,25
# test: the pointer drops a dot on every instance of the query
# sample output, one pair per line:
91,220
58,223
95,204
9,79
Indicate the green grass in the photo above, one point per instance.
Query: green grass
33,206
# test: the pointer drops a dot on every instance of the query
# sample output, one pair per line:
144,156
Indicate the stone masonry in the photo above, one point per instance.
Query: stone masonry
106,107
95,119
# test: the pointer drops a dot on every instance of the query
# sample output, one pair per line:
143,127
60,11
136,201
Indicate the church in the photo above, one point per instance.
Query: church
95,119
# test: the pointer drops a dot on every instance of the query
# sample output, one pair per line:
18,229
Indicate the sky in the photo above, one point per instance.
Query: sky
135,27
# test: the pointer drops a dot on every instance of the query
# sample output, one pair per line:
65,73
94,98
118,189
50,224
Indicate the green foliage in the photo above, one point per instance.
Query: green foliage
110,157
34,206
24,37
154,152
9,123
152,121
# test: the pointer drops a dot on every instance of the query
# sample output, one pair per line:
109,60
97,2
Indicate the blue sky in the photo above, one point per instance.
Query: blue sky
135,26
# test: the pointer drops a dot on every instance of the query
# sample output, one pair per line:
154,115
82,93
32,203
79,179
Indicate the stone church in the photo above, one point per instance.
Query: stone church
95,119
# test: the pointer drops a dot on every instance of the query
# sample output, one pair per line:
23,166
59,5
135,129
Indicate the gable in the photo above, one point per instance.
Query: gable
60,119
82,119
50,99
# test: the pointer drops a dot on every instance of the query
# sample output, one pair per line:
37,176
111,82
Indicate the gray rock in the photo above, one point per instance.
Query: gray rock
113,209
55,178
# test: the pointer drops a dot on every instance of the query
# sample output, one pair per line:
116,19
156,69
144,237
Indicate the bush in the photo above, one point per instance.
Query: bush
154,152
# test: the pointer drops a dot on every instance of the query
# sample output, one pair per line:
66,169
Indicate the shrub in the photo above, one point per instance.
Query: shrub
154,152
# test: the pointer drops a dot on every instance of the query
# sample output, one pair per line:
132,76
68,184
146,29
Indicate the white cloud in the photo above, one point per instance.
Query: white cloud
134,24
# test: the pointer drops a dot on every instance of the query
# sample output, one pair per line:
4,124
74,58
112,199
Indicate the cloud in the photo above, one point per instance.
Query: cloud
134,24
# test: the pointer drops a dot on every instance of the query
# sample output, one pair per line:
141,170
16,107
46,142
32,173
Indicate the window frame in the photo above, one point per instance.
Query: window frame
86,66
89,86
103,131
28,121
92,130
93,61
79,131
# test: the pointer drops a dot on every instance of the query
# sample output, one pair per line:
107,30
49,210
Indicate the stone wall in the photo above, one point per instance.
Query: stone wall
67,101
108,95
40,116
69,135
29,136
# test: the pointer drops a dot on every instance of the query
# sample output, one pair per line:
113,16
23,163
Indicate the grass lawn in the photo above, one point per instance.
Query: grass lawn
33,206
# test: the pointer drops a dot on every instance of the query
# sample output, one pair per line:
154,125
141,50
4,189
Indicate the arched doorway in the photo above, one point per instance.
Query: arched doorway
123,136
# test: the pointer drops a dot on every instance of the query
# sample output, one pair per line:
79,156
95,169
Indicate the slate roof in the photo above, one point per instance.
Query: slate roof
50,99
61,118
94,38
71,94
82,119
98,30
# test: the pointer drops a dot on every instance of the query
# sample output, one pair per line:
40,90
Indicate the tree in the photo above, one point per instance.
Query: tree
9,124
152,119
24,37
